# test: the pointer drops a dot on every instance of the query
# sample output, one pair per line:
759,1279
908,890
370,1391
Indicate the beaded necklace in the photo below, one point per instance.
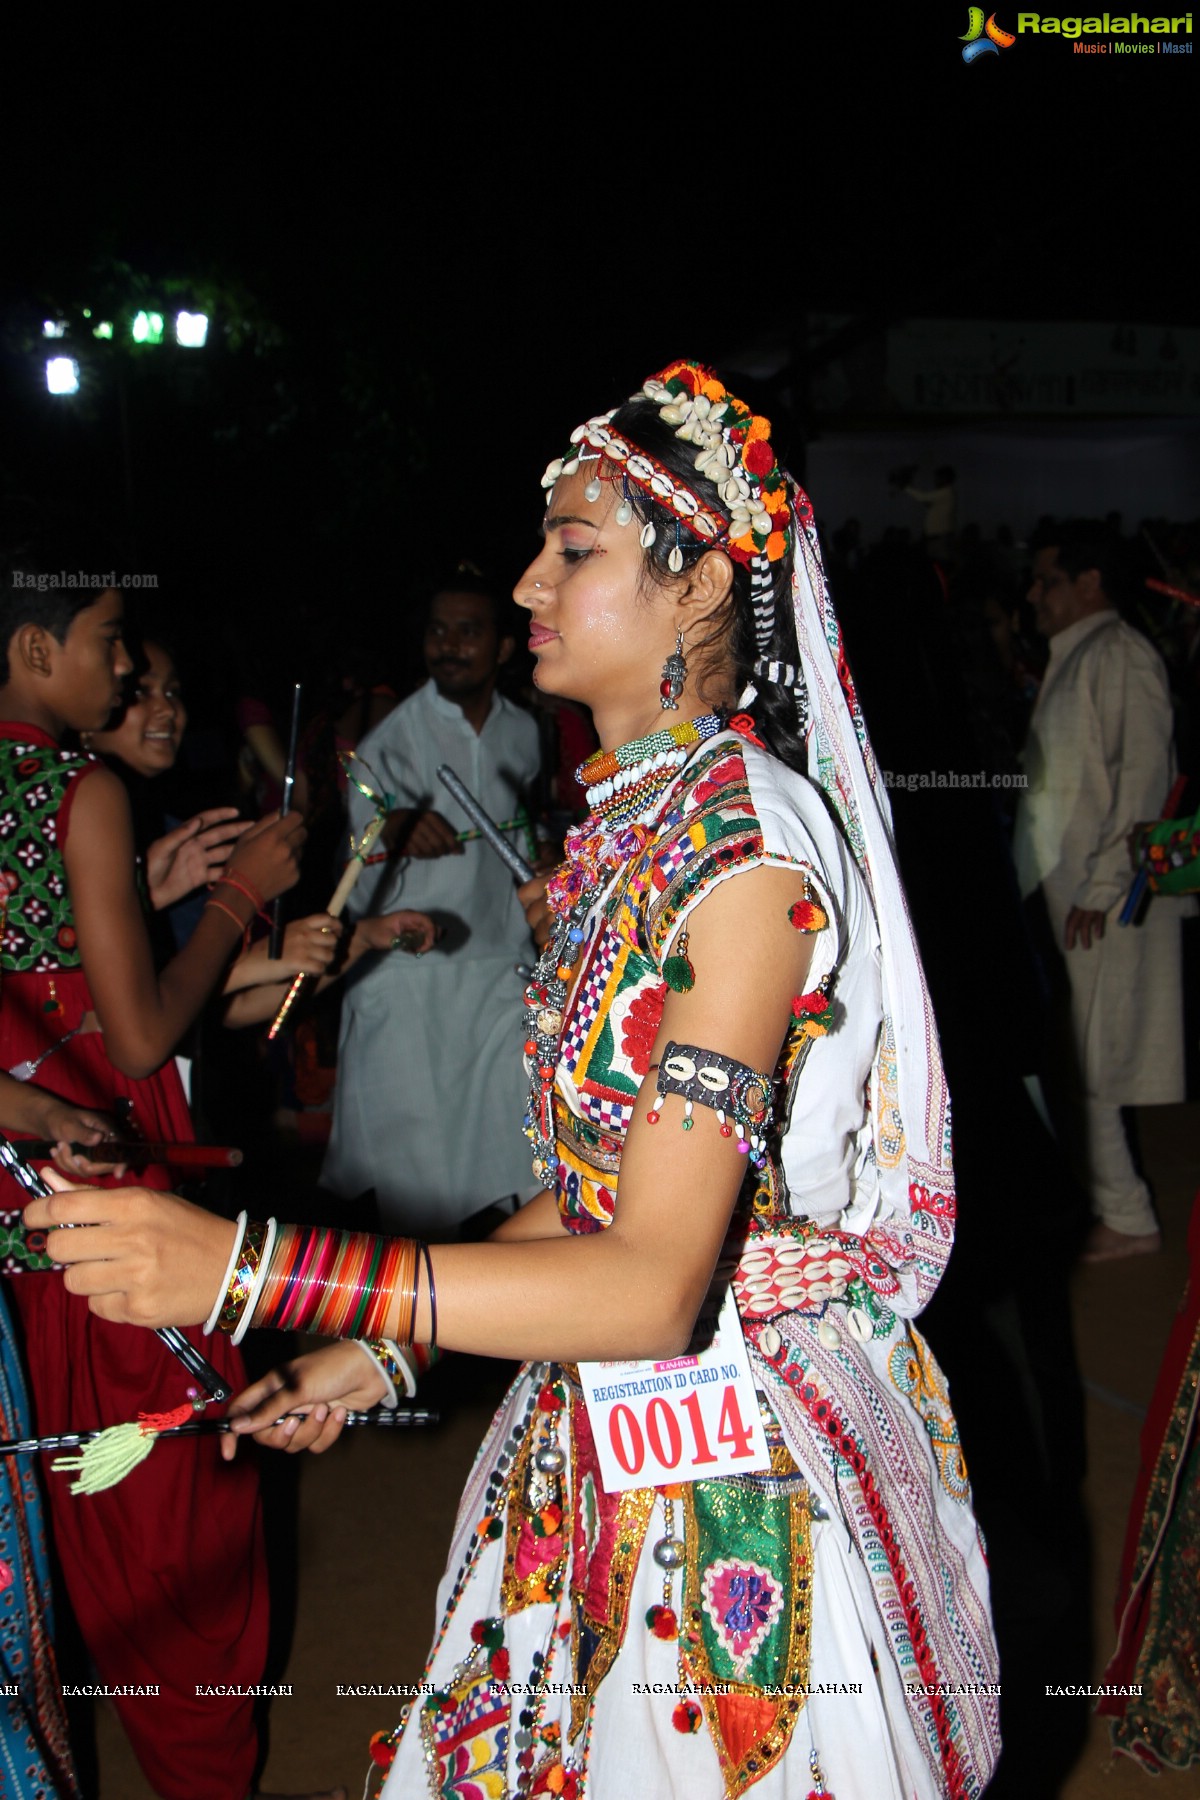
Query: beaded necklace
623,788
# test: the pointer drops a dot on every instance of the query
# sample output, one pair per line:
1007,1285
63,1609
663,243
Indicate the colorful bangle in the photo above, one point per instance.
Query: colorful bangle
338,1283
392,1364
405,1359
252,1297
210,1324
244,1278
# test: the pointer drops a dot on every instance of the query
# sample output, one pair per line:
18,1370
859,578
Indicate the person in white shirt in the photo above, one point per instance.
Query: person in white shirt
431,1082
1099,758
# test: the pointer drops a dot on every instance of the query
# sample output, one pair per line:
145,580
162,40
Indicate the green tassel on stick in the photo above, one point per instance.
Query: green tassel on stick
115,1453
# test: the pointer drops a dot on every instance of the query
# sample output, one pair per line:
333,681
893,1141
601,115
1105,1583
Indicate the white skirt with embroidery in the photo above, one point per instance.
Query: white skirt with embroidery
854,1739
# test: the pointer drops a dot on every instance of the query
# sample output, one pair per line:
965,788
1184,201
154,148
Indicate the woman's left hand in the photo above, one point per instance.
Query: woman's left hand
145,1258
303,1404
192,855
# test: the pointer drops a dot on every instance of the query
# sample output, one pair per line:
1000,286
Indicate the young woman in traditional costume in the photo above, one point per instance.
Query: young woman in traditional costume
733,1067
83,1011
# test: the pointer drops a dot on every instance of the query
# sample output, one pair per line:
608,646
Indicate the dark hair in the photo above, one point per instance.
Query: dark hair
54,564
466,578
732,629
1080,544
32,595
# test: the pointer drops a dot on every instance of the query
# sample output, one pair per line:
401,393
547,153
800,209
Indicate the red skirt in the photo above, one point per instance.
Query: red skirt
165,1572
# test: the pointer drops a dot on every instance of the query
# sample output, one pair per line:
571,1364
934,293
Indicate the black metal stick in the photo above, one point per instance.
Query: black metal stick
275,946
200,1427
488,828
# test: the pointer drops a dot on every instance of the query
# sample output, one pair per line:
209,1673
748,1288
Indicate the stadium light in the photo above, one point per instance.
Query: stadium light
103,329
62,375
148,328
191,330
54,328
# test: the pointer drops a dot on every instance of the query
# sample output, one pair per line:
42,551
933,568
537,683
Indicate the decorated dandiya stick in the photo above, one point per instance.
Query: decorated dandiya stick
400,1419
1172,593
488,830
1141,879
136,1153
196,1365
341,894
520,823
275,946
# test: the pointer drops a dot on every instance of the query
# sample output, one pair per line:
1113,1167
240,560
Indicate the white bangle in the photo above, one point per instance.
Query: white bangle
390,1399
211,1322
247,1317
404,1357
401,1363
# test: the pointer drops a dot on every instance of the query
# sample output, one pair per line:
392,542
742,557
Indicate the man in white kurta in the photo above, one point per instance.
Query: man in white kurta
1099,759
431,1086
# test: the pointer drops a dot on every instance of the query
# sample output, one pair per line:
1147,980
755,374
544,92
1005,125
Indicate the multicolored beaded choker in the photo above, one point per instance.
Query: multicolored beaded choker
623,788
615,779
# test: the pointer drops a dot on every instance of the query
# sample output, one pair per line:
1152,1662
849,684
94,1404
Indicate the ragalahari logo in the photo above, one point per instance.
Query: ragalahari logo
983,39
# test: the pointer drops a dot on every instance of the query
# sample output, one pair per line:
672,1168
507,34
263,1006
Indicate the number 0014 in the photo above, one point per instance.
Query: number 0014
665,1432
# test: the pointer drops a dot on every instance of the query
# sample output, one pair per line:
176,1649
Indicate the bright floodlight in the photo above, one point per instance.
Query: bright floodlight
148,328
103,329
54,328
62,375
191,329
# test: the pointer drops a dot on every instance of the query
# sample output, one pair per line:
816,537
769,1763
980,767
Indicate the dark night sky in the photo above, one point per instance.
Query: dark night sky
508,225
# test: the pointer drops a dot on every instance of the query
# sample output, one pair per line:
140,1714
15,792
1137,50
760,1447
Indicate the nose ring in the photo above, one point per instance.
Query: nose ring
537,584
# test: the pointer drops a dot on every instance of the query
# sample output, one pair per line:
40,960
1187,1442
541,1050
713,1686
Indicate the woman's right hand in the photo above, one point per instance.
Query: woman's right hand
315,1391
268,856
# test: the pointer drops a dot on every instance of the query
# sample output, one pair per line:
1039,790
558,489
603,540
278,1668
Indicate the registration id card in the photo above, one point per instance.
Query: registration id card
690,1418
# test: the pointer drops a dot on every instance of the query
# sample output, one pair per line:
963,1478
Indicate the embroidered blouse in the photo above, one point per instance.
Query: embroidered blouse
727,812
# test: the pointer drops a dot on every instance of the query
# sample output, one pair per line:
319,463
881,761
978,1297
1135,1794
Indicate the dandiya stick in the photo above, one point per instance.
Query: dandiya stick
341,894
275,946
485,824
137,1153
74,1440
1172,593
1134,898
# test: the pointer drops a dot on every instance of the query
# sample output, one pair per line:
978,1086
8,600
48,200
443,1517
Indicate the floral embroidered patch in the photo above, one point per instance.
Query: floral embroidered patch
743,1601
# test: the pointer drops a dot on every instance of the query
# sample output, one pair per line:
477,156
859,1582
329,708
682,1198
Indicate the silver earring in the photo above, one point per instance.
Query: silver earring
674,676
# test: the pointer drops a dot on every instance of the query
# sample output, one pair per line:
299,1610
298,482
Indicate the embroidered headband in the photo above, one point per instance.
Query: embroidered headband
735,454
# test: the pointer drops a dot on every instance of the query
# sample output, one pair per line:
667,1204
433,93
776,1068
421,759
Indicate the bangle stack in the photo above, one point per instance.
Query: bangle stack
395,1365
210,1324
264,1263
339,1284
241,1285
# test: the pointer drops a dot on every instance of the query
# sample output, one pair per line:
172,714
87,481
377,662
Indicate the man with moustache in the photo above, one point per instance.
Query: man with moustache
1099,759
431,1083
